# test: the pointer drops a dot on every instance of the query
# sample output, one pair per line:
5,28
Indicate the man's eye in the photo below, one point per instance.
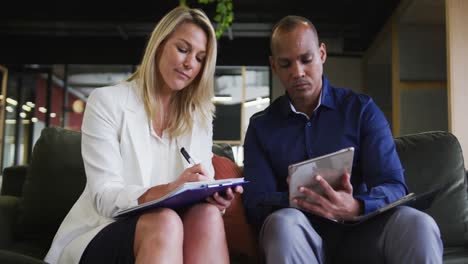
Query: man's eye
284,64
307,61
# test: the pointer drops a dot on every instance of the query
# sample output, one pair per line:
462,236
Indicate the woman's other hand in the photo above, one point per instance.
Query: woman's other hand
224,201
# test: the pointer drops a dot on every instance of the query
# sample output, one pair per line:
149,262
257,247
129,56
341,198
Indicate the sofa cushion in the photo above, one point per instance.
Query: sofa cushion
240,236
431,160
457,255
223,150
54,181
10,257
13,179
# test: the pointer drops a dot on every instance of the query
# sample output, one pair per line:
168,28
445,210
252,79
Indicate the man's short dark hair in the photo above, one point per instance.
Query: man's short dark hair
288,24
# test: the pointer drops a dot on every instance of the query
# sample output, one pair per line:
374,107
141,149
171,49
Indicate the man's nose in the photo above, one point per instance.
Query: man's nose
297,70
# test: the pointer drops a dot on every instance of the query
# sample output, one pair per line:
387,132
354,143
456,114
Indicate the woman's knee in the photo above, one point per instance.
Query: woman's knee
161,222
204,214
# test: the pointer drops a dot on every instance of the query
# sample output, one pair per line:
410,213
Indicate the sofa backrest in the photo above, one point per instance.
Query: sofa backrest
56,178
53,183
435,159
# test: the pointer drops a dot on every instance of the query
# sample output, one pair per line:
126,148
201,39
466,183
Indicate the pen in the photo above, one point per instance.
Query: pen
187,156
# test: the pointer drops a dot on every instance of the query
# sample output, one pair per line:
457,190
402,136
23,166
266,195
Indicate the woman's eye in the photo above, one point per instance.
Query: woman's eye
200,59
183,50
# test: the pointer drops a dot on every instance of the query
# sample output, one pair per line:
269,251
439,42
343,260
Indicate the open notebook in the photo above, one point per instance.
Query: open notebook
420,201
187,194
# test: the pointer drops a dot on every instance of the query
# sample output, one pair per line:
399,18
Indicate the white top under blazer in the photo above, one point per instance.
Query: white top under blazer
119,164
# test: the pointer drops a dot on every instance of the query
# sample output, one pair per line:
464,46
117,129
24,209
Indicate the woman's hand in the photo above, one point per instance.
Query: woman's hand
192,174
224,201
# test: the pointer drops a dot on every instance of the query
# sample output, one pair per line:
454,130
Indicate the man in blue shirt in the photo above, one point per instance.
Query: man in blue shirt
314,118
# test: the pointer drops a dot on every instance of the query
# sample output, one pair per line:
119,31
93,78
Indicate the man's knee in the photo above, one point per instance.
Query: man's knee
287,218
288,237
415,220
288,224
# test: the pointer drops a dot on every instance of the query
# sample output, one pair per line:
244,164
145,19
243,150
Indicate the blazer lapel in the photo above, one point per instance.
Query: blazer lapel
137,126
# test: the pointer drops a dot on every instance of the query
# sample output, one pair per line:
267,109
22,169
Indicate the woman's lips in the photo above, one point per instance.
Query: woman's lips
185,76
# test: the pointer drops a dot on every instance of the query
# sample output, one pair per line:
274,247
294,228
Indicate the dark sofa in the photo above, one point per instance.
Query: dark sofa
35,199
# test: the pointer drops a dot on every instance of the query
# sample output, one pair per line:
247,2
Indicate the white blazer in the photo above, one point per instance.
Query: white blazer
115,140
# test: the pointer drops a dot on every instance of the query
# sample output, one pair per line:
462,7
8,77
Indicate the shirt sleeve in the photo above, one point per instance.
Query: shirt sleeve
260,194
380,165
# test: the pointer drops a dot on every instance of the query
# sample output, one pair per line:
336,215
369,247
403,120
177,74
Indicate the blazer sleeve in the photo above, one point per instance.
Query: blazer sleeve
100,149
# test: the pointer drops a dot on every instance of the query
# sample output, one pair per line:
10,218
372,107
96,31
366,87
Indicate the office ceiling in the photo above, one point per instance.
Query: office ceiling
82,32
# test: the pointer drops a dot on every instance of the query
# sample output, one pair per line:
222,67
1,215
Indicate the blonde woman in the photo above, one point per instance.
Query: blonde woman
131,136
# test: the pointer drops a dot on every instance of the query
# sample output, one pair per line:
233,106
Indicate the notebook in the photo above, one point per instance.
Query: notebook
420,201
187,194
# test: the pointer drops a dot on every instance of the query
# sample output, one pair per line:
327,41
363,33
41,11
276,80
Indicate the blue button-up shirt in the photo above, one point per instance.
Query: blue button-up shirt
279,136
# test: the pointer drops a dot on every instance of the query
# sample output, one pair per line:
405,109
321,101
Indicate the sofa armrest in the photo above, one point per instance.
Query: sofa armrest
8,214
11,257
13,180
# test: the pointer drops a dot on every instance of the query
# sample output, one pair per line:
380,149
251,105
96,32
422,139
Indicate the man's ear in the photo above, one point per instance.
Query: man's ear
272,64
323,52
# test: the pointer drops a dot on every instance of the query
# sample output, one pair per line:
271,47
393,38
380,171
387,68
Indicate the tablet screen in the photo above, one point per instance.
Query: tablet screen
331,167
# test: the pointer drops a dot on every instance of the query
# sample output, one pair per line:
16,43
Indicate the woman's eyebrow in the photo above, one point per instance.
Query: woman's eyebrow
190,45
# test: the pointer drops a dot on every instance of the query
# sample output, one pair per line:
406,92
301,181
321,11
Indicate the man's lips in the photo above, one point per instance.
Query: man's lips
182,74
300,85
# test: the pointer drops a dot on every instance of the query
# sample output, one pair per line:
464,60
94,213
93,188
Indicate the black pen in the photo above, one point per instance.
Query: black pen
187,156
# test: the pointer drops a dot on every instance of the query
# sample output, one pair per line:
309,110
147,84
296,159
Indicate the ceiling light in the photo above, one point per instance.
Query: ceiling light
217,99
53,115
30,104
42,110
23,115
11,101
26,108
258,101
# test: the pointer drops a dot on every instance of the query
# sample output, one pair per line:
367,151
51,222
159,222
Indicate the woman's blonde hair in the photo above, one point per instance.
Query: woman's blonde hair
196,97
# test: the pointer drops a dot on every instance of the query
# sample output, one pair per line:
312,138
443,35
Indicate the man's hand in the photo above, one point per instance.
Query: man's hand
336,204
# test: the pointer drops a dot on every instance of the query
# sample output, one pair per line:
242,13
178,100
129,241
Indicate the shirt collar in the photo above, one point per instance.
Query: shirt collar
297,112
326,99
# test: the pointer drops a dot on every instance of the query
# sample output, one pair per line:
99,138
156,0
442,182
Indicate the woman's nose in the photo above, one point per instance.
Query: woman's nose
189,62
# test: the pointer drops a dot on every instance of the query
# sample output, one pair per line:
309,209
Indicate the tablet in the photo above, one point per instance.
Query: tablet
331,167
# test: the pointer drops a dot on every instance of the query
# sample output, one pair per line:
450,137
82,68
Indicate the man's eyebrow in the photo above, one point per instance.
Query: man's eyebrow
306,54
